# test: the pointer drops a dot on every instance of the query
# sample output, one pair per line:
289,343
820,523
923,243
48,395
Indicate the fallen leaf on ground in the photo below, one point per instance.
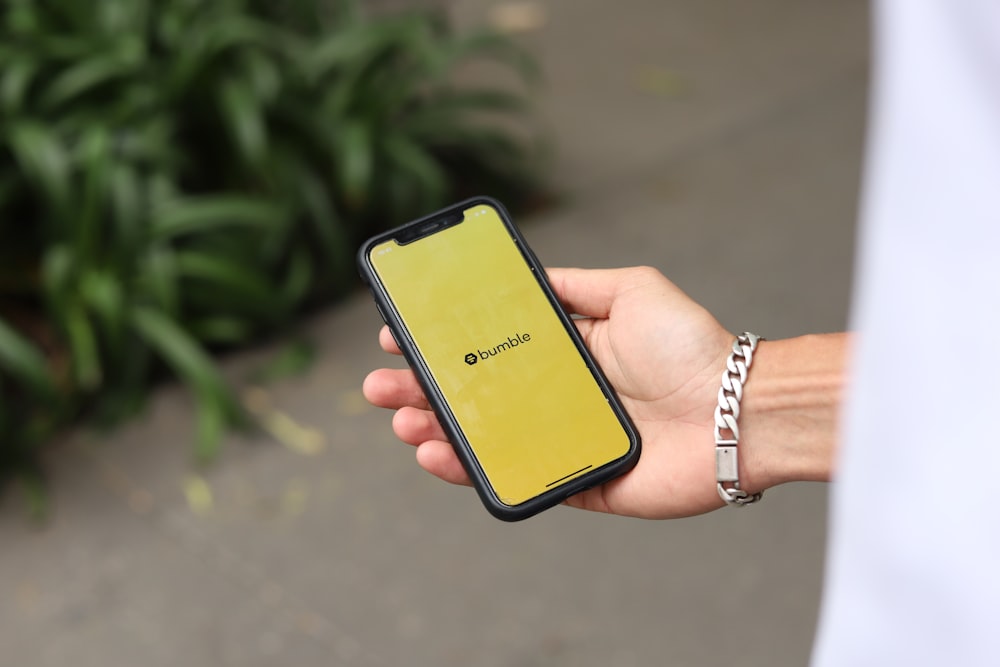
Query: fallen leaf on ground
659,81
518,16
198,494
352,402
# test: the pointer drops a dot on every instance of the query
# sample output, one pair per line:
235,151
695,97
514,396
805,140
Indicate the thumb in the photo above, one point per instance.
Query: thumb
590,292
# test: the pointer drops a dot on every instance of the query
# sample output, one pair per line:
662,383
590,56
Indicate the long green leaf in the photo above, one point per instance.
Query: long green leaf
158,280
211,212
345,14
351,68
298,278
202,41
212,421
58,273
320,215
85,76
243,30
415,161
244,120
215,404
124,20
43,159
292,360
152,142
35,496
356,159
128,216
231,278
83,344
496,46
263,76
351,48
180,352
14,82
102,293
221,330
95,162
23,361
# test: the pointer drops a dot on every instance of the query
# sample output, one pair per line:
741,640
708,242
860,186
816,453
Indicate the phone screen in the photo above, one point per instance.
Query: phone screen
525,399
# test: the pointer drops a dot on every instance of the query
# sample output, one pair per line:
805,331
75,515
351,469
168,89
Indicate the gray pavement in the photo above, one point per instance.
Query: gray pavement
718,141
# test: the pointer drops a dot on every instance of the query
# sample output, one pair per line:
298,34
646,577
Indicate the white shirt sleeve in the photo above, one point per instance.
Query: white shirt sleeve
913,574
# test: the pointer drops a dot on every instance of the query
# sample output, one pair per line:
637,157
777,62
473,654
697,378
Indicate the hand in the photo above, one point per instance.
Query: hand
664,355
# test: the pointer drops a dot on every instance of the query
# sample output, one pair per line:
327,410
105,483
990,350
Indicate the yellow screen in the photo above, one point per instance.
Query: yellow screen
528,405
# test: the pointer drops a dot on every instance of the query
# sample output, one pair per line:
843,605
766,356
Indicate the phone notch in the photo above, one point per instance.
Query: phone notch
430,226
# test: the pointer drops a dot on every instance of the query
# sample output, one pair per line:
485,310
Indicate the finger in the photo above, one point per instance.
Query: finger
415,426
386,341
394,388
590,292
439,459
584,325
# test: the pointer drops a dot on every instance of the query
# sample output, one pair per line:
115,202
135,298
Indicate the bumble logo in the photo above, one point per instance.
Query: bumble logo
472,358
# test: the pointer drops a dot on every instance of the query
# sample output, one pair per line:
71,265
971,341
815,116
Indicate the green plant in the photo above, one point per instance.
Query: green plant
181,175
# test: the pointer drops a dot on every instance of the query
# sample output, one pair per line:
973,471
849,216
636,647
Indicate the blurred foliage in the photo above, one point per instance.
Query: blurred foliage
178,176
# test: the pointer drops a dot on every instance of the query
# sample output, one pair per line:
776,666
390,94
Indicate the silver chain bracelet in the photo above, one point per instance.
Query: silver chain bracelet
727,412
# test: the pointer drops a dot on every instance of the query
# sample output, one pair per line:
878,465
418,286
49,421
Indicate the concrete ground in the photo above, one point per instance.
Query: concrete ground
718,141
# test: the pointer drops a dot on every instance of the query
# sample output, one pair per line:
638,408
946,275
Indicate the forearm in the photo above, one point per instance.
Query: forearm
790,410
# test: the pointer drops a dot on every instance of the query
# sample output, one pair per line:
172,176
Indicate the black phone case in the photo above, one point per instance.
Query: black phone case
462,448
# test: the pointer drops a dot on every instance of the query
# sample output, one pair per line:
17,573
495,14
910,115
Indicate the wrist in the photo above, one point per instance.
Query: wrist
790,411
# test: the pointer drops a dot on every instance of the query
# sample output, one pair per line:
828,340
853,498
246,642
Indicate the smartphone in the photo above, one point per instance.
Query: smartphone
528,411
